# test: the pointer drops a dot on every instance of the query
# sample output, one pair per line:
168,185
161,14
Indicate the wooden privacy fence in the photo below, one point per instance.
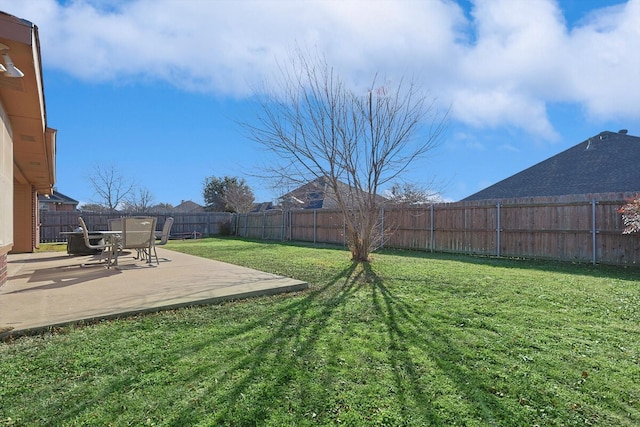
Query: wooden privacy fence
185,225
578,228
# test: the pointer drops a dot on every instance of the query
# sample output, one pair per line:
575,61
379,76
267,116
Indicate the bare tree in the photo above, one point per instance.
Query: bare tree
317,127
110,185
139,201
93,207
408,194
162,207
239,197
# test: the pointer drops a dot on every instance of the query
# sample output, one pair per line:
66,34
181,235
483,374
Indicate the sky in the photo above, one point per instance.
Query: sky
156,88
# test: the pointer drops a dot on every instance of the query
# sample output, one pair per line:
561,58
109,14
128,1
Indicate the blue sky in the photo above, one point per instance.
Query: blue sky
156,87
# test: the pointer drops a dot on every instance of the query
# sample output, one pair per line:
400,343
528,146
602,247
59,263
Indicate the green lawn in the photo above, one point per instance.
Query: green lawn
411,339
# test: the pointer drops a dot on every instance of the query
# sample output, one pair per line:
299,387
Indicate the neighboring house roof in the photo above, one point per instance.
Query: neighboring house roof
262,206
605,163
308,196
189,206
58,198
316,194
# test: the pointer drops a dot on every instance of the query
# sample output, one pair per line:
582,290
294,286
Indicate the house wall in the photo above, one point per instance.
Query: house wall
6,193
25,218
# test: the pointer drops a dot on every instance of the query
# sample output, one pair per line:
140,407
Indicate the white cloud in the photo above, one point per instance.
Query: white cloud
518,43
603,62
509,147
502,67
475,145
499,106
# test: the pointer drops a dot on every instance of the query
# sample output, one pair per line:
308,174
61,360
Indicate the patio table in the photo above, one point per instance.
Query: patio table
111,238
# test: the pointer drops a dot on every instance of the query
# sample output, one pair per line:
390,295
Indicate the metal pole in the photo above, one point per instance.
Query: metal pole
498,230
593,231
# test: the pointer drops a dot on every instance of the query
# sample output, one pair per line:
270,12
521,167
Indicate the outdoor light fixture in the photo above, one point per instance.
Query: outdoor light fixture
8,68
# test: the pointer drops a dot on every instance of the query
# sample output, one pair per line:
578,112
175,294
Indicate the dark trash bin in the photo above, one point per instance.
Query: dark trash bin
76,246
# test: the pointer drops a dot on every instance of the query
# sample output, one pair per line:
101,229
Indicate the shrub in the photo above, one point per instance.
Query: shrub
225,228
631,215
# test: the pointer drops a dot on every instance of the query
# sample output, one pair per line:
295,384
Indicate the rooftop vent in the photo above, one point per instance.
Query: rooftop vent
623,131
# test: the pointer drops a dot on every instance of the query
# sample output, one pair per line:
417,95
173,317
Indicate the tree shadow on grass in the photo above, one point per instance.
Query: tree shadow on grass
292,341
244,389
251,373
281,373
406,330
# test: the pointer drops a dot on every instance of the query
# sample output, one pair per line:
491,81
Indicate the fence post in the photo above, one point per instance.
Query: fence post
282,236
344,231
593,231
431,237
235,223
498,230
315,225
382,226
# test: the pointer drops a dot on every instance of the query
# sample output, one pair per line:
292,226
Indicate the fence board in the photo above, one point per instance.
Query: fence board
407,228
303,225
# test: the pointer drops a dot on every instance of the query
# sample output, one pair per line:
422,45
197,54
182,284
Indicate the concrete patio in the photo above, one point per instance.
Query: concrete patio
52,288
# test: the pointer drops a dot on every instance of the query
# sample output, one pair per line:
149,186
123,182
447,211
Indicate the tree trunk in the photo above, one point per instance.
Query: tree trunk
358,246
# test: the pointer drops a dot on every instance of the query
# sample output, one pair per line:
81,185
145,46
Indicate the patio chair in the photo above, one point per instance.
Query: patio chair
138,233
101,245
166,231
115,224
